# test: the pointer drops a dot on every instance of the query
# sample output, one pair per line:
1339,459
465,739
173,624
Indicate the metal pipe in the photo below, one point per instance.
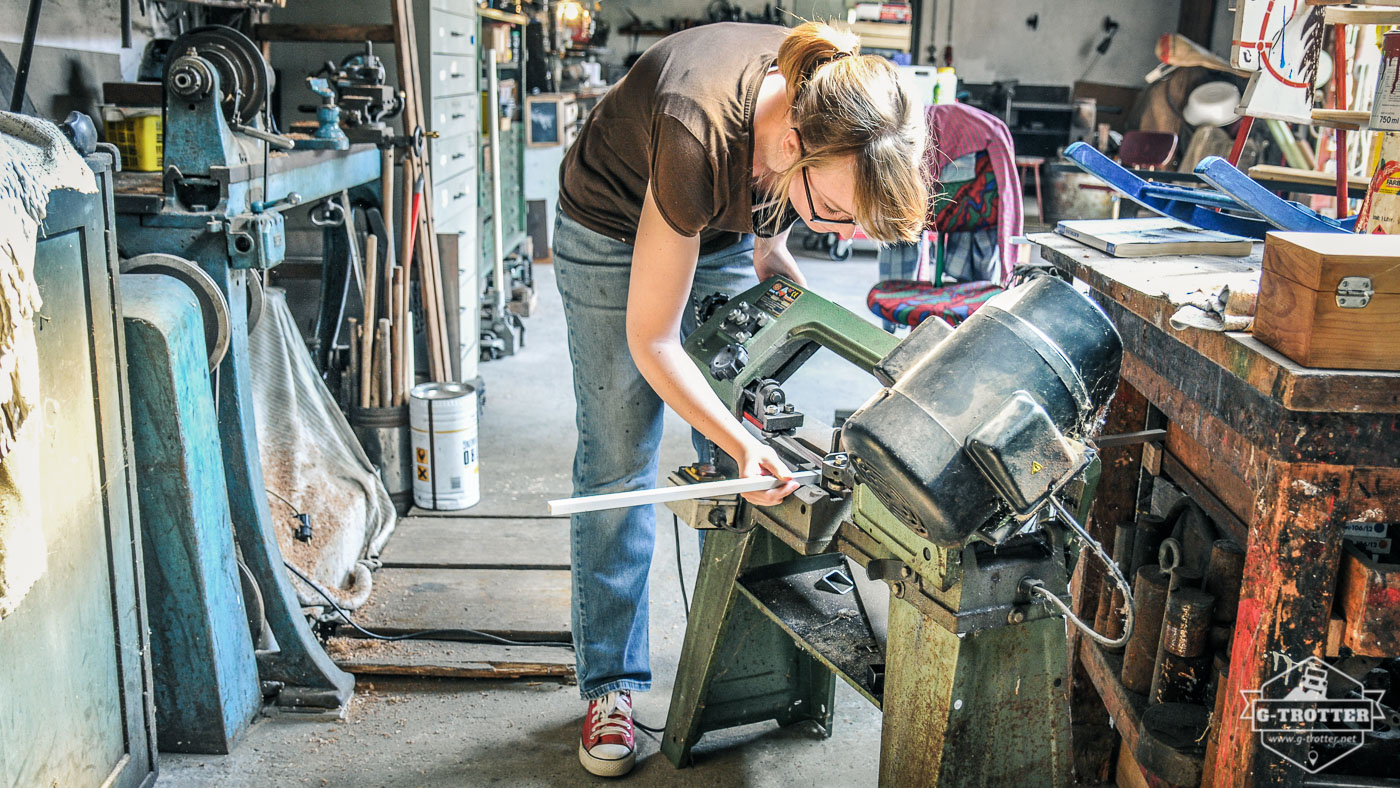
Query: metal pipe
1339,100
493,89
684,492
126,24
26,53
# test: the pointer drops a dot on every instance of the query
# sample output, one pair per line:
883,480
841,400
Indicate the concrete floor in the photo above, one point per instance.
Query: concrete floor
464,732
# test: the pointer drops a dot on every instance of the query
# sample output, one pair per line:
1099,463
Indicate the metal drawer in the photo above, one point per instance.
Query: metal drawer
453,75
451,34
449,156
456,115
453,195
455,6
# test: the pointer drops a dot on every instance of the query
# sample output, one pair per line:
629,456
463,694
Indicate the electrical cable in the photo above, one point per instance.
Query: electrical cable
422,635
685,602
293,506
680,572
1035,587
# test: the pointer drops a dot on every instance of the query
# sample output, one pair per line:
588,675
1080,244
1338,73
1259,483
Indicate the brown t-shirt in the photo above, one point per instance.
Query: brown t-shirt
681,120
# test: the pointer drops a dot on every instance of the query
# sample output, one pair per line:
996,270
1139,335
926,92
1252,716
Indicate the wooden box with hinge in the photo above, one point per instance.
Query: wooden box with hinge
1331,300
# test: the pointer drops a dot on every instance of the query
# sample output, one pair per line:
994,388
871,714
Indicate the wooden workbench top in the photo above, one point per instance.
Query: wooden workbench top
1152,287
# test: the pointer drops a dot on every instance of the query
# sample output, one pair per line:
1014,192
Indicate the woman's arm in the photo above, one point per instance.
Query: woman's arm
663,266
772,258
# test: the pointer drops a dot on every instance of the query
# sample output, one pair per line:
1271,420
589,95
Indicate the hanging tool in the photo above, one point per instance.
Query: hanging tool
26,55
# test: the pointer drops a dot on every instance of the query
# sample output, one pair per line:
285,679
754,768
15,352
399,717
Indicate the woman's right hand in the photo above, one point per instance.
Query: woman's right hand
757,459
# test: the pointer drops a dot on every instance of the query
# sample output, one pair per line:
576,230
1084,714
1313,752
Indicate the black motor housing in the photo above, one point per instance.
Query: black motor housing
1044,338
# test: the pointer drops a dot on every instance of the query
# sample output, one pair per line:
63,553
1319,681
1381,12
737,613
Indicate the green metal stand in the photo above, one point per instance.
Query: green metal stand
737,665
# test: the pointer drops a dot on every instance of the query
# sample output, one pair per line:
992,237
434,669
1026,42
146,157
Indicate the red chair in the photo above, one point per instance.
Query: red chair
963,206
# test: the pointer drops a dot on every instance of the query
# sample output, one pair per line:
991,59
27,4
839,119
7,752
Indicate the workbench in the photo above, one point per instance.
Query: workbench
1280,456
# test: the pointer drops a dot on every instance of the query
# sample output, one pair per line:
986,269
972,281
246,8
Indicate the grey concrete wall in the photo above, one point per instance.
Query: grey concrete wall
77,49
991,40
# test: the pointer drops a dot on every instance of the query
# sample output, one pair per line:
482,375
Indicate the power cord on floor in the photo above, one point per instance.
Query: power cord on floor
423,635
685,605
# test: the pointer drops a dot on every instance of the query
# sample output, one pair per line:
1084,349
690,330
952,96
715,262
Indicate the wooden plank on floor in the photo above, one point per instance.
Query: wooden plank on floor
478,543
519,604
437,659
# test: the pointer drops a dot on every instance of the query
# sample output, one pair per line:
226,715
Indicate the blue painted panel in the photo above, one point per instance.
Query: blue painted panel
206,681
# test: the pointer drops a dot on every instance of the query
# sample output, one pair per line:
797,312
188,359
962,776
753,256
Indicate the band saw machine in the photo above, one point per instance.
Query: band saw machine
960,486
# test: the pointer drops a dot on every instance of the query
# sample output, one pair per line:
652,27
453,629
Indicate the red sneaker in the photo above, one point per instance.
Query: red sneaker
608,747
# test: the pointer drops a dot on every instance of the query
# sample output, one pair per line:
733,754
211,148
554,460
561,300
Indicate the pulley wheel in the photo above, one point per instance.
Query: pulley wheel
244,76
257,299
213,307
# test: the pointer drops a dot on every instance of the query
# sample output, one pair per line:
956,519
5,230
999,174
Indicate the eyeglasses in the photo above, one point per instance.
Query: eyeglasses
807,186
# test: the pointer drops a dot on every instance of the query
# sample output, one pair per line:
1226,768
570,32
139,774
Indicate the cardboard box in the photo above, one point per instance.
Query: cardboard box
1331,300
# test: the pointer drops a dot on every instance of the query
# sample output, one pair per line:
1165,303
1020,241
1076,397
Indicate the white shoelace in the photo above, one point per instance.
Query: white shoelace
612,714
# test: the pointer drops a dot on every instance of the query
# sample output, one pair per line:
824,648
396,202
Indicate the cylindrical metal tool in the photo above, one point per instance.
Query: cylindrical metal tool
1184,578
1222,680
1108,619
1149,605
1182,672
1148,534
1224,577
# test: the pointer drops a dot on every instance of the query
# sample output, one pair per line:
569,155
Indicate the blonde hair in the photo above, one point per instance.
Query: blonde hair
844,103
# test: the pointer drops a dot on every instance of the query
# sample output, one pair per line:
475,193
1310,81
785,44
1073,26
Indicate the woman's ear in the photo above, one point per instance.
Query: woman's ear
789,148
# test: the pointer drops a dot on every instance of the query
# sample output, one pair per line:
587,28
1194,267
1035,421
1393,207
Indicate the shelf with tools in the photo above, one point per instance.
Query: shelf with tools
1246,446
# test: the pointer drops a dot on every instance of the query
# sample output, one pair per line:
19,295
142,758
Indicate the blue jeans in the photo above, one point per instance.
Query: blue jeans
619,436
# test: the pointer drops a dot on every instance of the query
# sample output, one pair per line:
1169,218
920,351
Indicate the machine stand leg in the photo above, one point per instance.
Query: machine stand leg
988,708
737,666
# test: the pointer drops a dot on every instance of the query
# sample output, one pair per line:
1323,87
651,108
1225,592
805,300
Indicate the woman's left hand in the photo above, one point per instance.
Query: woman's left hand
772,258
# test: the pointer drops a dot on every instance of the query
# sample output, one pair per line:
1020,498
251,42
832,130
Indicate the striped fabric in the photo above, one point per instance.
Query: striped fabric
910,303
957,130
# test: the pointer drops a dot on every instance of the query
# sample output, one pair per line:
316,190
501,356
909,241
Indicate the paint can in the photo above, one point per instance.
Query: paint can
383,434
442,420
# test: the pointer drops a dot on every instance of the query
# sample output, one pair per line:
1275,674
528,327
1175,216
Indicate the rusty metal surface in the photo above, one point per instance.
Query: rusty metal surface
987,709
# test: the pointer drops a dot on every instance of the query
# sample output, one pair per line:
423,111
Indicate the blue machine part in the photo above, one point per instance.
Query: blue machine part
328,133
257,240
214,175
202,658
1281,213
1239,207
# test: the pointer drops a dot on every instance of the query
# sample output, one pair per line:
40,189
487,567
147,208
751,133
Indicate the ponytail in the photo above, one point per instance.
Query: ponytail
810,46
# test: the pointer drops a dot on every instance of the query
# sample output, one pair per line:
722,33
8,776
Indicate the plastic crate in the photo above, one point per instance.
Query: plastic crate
138,134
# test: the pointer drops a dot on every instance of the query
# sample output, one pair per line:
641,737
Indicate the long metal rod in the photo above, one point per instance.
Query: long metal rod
26,53
498,260
682,492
